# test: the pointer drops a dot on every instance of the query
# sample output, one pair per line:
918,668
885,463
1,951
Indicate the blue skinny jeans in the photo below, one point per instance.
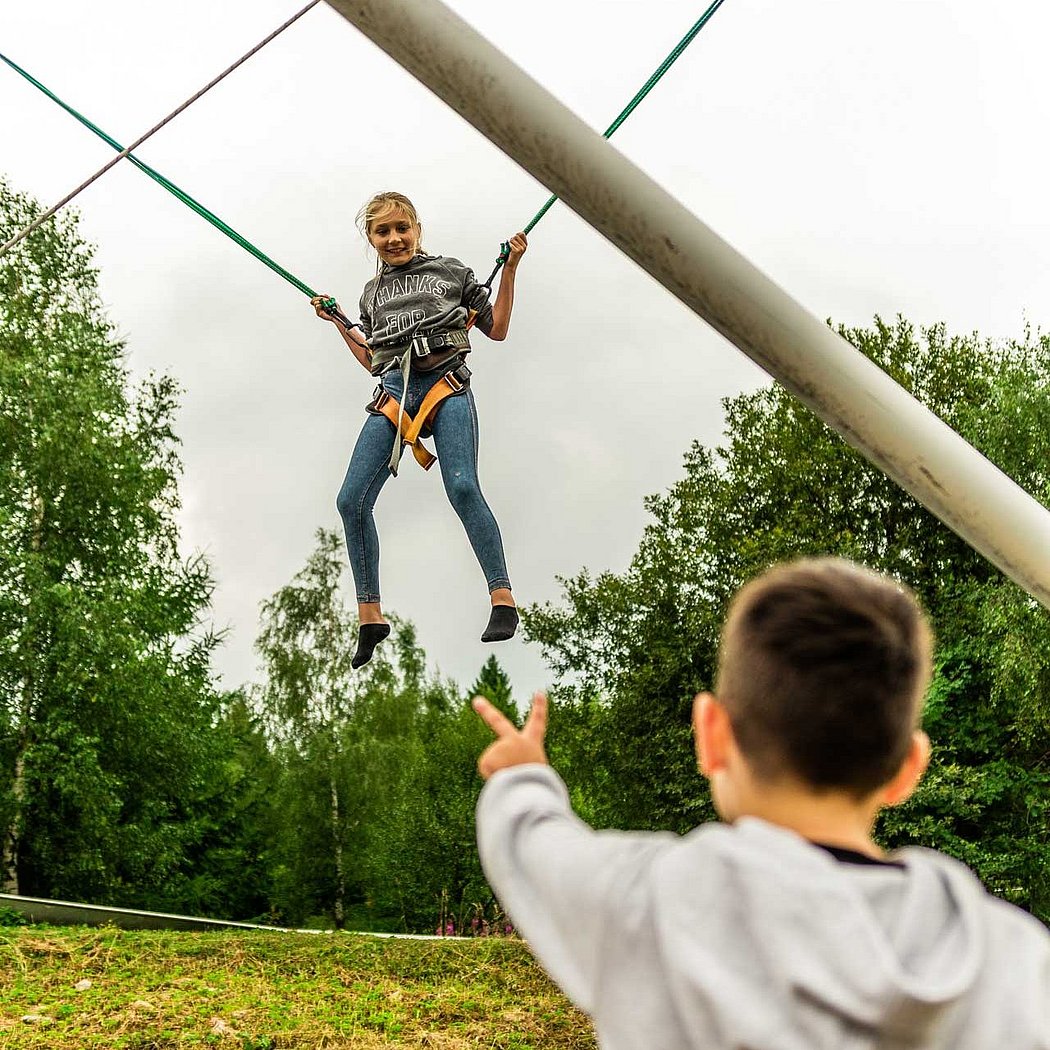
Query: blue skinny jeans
456,444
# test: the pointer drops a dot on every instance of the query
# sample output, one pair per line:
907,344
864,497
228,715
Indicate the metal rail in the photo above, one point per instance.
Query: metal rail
71,913
851,394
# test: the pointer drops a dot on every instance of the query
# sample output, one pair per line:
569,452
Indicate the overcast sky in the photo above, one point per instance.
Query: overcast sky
872,157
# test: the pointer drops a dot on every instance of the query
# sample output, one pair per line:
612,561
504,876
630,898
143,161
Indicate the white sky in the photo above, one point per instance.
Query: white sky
872,157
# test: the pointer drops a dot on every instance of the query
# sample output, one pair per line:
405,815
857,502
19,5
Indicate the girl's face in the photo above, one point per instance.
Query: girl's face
395,237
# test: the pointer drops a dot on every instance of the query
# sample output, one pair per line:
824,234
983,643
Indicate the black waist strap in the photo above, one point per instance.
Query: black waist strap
426,344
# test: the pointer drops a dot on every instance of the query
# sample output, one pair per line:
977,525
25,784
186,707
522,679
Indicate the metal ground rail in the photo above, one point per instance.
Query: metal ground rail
72,913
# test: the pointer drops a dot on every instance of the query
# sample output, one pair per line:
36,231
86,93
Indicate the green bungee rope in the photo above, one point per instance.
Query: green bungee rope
186,199
624,114
170,186
218,223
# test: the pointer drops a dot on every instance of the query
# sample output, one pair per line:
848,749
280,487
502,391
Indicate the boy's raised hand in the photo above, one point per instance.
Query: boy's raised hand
512,746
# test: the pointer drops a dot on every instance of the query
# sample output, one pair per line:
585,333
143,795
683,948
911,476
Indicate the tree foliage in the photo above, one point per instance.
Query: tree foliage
348,796
105,689
634,648
424,852
374,807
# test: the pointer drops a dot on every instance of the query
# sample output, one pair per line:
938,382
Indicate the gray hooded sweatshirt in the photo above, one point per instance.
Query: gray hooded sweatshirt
432,293
751,938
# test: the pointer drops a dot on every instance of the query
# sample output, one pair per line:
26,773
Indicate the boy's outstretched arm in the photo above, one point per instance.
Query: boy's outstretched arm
513,746
567,888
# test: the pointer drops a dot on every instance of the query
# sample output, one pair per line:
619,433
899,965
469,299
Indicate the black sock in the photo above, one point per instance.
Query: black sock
369,635
503,622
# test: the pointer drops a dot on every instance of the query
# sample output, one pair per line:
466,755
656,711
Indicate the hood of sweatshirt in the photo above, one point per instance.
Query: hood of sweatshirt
749,937
848,946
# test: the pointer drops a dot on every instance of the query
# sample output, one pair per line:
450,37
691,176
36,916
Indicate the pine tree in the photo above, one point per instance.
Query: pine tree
493,683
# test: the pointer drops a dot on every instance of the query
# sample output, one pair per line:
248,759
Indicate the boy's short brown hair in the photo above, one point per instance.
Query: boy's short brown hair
822,670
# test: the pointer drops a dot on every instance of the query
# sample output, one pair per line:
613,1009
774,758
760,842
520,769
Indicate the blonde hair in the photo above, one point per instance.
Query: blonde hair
382,204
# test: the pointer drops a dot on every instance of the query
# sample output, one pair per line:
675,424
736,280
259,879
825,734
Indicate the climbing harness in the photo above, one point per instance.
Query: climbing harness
41,219
418,349
428,345
408,429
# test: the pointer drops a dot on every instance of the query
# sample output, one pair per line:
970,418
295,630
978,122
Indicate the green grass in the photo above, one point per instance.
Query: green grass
263,991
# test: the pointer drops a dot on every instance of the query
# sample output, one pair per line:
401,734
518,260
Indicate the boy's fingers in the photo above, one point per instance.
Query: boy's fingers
493,717
536,723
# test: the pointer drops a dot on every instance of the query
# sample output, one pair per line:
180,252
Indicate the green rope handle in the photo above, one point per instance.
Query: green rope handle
624,114
186,199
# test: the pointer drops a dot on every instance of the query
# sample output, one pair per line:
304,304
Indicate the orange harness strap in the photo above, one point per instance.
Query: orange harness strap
411,427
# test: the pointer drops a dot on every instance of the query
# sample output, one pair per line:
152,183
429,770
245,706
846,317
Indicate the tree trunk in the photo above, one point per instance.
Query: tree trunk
13,832
338,906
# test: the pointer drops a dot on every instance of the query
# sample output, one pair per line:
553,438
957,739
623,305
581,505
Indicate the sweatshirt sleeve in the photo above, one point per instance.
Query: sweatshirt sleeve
474,296
568,889
364,313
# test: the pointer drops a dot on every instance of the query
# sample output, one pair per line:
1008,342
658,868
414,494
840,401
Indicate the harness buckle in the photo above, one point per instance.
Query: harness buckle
453,381
423,345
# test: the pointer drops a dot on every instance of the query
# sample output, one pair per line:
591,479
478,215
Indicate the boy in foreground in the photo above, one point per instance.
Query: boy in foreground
787,927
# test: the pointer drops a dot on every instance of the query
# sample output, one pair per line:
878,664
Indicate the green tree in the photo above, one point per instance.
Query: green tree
634,648
423,857
228,870
309,696
106,697
338,732
493,683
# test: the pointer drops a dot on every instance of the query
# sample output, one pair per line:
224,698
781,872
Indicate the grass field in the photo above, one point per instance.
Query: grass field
262,991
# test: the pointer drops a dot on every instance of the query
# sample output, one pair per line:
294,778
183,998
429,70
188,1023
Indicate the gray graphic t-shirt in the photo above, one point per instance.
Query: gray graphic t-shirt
432,293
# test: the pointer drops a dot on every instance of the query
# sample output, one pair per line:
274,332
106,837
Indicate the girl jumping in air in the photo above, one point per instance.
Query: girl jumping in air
414,318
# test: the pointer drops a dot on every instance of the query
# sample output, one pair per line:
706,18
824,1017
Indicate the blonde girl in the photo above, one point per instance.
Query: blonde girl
412,336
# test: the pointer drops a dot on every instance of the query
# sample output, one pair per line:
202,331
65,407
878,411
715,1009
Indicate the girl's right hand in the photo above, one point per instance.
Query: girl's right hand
318,303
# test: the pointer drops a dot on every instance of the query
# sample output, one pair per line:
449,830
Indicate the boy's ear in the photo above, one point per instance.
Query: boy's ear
712,733
900,788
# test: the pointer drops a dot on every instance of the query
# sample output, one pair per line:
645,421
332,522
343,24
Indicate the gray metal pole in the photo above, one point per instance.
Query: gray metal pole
852,395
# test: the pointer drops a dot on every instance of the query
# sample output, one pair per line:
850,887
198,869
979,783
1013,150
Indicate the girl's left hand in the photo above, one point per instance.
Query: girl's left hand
518,244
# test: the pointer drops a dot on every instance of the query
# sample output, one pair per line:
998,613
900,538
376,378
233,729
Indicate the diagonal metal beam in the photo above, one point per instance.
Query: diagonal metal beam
851,394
